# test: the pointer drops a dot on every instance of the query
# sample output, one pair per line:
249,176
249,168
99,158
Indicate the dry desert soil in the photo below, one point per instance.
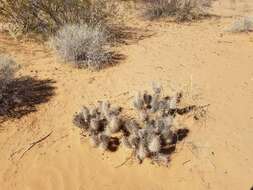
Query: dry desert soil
214,66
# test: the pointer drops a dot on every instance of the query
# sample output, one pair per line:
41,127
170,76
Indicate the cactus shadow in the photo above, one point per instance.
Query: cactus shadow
178,136
113,144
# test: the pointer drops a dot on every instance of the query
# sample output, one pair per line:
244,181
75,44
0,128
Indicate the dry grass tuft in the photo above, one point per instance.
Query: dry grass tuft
83,45
244,24
8,68
180,10
47,16
19,96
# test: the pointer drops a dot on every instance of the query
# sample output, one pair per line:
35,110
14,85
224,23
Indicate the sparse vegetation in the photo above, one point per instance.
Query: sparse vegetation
83,45
152,135
19,96
81,31
8,68
244,24
180,10
47,16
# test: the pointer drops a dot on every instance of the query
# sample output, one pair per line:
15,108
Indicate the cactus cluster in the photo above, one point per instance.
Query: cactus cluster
151,135
150,141
101,122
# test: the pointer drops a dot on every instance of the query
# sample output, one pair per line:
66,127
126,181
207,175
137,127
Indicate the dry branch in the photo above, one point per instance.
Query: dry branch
34,143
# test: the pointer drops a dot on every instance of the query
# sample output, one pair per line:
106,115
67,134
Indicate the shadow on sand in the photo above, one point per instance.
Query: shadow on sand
22,95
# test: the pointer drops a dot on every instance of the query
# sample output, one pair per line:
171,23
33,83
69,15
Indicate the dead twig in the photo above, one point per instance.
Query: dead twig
127,159
204,106
185,162
16,152
34,143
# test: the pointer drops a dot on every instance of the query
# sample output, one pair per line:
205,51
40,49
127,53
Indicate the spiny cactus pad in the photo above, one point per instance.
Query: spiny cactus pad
151,135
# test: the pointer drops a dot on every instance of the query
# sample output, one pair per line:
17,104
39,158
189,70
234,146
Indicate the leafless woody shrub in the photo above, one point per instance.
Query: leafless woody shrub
181,10
47,16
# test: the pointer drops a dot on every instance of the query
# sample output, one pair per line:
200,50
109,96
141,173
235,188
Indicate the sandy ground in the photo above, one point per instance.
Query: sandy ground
214,66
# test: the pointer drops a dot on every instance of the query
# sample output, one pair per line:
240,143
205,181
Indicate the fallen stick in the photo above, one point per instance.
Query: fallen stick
127,159
12,154
34,143
185,162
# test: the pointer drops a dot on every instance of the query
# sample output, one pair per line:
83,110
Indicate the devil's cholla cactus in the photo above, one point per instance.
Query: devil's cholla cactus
149,136
155,144
149,139
149,104
138,101
100,122
153,134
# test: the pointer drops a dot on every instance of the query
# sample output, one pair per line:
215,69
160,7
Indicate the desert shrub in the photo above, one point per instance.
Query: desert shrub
47,16
20,95
153,134
244,24
8,68
82,45
181,10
